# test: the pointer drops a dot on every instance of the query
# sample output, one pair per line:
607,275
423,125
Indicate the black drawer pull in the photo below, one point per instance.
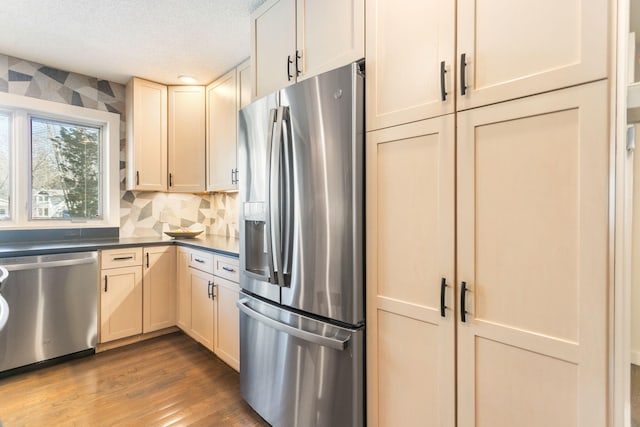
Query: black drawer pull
289,62
123,258
443,288
463,301
229,269
201,261
443,88
463,74
106,278
298,58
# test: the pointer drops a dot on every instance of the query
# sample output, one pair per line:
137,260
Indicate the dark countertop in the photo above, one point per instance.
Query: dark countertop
220,244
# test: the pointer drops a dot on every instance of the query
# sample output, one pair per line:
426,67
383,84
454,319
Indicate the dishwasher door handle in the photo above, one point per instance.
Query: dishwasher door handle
49,264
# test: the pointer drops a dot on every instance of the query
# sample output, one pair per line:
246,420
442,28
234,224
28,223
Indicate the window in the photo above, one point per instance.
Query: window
58,163
5,172
65,170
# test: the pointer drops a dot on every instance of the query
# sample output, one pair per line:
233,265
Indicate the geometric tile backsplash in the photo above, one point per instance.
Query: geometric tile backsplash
141,213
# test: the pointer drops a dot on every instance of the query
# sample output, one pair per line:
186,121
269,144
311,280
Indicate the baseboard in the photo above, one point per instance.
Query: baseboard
635,358
134,339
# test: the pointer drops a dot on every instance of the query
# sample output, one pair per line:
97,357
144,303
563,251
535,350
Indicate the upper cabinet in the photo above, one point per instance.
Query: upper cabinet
186,139
273,38
505,50
550,45
225,97
146,114
296,39
244,84
330,34
165,137
222,112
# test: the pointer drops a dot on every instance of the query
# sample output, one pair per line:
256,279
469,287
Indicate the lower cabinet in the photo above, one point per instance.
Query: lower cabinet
227,323
183,306
201,307
148,289
158,288
206,303
121,294
137,291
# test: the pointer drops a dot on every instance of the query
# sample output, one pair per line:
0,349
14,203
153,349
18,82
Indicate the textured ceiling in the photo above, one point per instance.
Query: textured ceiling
116,39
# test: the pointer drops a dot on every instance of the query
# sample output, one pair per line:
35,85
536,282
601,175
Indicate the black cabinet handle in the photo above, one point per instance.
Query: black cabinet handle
443,287
298,57
122,258
147,259
443,88
170,180
213,291
137,178
201,261
228,269
463,74
289,62
463,300
209,289
105,282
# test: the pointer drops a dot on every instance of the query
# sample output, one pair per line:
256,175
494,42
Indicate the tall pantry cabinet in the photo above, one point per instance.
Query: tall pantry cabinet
487,213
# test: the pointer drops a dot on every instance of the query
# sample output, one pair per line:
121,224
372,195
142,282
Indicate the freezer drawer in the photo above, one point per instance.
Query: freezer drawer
297,371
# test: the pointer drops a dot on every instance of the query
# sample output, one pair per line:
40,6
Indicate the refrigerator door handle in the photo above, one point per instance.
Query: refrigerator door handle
288,192
336,344
275,201
272,120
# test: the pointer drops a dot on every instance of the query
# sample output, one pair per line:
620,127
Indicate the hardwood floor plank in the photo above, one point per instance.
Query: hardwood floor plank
166,381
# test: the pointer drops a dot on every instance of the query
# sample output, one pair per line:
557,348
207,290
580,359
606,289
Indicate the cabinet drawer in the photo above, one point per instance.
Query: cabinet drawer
202,261
114,258
226,267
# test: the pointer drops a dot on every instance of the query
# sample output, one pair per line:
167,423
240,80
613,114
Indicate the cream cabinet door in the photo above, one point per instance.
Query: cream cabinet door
518,48
158,288
183,306
244,84
222,113
146,113
202,307
532,230
273,46
227,322
330,33
410,274
410,61
120,303
186,128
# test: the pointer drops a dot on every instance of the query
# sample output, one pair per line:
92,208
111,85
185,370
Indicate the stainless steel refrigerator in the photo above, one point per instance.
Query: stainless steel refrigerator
301,178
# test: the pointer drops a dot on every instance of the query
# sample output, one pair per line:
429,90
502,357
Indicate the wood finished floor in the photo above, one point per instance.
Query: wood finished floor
166,381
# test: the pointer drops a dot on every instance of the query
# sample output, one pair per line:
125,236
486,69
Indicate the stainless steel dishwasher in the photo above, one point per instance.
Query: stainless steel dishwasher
53,302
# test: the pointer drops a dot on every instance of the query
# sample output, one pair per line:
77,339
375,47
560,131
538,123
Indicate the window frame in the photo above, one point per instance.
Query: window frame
21,109
10,114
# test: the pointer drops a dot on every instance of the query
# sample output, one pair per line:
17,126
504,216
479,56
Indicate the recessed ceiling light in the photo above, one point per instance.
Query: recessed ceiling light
187,79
